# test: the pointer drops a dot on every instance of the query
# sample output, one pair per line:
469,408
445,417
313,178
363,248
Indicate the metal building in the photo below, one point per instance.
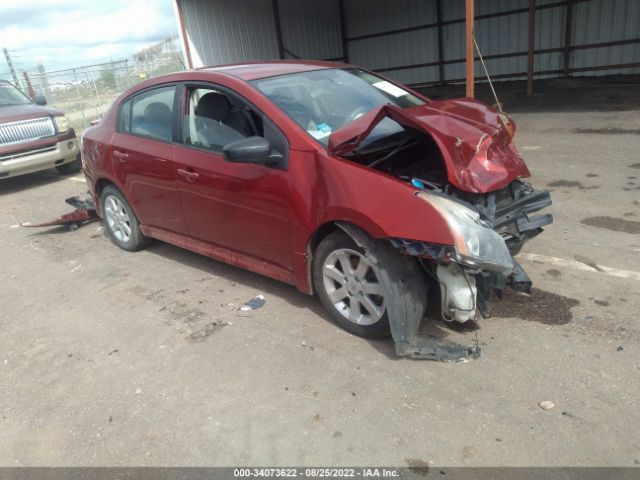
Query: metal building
420,42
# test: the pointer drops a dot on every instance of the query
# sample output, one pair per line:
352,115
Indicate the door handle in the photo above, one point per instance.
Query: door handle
187,175
120,155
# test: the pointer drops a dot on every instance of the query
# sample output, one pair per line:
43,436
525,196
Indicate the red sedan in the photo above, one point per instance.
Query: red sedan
325,176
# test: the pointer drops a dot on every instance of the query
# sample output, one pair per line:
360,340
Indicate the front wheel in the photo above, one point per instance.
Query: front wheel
361,287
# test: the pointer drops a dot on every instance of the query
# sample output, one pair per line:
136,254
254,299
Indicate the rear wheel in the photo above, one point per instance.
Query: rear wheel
361,287
121,222
71,167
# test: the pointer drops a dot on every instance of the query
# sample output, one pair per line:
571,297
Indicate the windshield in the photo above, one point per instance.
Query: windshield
322,101
10,95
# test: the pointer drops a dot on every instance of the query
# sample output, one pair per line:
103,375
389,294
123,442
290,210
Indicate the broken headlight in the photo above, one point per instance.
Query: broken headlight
476,244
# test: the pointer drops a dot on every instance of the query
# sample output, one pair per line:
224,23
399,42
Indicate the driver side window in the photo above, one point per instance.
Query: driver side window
215,119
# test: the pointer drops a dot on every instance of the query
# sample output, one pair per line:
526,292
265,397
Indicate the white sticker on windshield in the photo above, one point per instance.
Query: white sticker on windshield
318,134
390,88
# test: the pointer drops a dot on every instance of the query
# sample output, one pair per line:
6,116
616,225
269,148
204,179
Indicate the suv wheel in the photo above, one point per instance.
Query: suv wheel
121,222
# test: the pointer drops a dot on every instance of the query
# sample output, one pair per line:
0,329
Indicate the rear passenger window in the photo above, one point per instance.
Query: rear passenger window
151,114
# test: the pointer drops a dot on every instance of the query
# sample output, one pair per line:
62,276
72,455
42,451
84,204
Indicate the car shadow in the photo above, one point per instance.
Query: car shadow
431,325
30,180
260,283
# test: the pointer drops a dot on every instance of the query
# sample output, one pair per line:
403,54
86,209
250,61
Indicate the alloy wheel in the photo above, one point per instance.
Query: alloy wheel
352,286
117,218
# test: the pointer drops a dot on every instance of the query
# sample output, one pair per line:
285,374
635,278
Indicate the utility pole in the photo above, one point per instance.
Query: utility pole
11,67
27,82
42,77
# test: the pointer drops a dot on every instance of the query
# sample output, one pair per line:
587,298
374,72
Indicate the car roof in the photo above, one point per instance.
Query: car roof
254,71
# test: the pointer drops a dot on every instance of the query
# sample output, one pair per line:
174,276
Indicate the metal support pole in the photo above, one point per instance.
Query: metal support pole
440,43
343,32
469,17
12,69
27,82
567,38
530,52
276,21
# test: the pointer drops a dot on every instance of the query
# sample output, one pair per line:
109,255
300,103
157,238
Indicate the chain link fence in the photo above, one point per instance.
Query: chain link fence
85,93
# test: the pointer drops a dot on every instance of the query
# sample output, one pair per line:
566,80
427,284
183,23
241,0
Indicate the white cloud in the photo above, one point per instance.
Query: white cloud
66,33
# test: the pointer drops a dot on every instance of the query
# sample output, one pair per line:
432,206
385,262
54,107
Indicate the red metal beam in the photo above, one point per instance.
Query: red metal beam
621,66
530,52
585,46
461,20
470,77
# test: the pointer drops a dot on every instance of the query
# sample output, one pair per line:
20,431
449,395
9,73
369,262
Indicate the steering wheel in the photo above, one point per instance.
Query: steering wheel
356,113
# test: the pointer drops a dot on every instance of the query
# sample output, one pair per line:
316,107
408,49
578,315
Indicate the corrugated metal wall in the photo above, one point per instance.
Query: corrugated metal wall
605,21
311,29
367,17
226,31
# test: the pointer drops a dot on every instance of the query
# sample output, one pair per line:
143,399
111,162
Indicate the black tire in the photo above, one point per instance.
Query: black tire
399,276
71,167
136,240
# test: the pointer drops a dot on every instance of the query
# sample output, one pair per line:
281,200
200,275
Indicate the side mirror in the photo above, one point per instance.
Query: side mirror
251,150
40,99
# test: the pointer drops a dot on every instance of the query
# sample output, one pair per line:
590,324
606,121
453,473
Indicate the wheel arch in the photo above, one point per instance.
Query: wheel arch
101,184
354,231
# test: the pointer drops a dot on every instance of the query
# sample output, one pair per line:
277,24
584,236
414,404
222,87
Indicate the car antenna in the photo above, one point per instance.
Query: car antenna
486,72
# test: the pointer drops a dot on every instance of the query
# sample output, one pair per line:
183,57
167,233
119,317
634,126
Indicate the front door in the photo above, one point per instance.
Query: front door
240,206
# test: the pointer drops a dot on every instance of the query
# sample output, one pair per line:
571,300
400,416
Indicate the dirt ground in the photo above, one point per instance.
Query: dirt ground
114,358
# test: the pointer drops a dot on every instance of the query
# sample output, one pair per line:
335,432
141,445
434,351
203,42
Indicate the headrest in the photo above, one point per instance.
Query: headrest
214,105
157,112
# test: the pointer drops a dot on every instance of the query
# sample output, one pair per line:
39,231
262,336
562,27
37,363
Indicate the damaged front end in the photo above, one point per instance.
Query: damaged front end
489,230
487,235
458,156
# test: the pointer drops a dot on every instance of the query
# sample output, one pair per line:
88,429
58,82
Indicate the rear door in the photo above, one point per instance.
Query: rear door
244,207
143,157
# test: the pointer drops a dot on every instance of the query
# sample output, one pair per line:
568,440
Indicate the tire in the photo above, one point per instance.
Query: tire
396,277
120,220
71,167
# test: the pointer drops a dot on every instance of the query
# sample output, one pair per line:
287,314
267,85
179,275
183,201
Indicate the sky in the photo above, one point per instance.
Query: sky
70,33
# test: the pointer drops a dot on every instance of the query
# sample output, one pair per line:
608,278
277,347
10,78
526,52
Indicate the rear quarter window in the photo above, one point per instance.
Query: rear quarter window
124,117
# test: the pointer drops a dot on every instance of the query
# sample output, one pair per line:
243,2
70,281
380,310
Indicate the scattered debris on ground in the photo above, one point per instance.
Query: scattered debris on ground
254,303
546,405
84,213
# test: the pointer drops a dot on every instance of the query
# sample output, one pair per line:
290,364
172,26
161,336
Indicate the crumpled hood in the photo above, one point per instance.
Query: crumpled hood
474,140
